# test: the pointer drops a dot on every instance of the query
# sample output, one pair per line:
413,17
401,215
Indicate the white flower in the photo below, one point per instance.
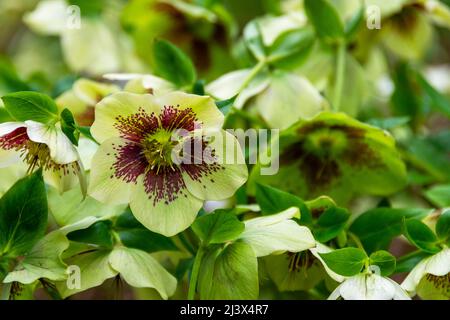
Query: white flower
278,233
42,146
369,286
434,270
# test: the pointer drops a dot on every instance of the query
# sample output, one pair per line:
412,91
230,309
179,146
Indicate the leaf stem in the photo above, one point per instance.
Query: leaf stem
340,75
195,271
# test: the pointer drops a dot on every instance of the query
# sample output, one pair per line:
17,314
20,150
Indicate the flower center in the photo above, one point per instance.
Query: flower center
159,149
300,260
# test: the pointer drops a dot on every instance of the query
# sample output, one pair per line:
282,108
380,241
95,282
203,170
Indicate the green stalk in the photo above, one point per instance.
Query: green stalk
255,71
340,75
194,274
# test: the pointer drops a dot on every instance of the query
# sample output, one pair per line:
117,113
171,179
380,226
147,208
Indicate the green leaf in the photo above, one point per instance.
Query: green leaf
291,48
146,240
226,105
9,80
43,261
100,233
173,64
377,227
330,224
199,88
354,24
4,115
443,225
439,195
421,236
218,227
346,262
438,101
253,40
28,105
141,270
229,273
384,260
23,215
86,131
325,19
88,7
408,262
389,123
69,127
405,100
273,201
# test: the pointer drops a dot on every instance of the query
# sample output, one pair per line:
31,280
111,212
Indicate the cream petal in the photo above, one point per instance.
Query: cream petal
204,107
8,127
354,288
104,186
49,17
121,104
62,151
276,234
166,218
439,264
412,280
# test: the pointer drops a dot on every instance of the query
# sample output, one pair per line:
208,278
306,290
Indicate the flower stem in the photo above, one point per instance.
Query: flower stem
255,71
194,274
340,75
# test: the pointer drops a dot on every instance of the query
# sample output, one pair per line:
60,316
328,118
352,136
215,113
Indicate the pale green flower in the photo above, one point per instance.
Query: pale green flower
430,279
143,137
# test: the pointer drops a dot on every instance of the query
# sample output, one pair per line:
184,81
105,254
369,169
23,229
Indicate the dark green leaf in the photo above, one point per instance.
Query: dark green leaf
146,240
199,88
28,105
421,236
325,19
100,233
330,224
443,225
347,262
86,131
377,227
407,262
272,201
23,215
173,64
89,7
69,127
226,105
384,260
218,227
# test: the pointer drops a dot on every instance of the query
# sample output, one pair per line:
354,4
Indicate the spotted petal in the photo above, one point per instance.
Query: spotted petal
151,205
104,185
220,177
203,107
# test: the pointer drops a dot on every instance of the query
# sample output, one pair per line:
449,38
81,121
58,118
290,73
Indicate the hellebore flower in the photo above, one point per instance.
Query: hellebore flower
369,286
336,155
143,158
430,279
42,146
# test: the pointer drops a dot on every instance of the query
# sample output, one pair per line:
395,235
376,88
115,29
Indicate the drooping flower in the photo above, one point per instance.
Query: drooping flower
430,279
369,286
44,146
332,150
146,157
